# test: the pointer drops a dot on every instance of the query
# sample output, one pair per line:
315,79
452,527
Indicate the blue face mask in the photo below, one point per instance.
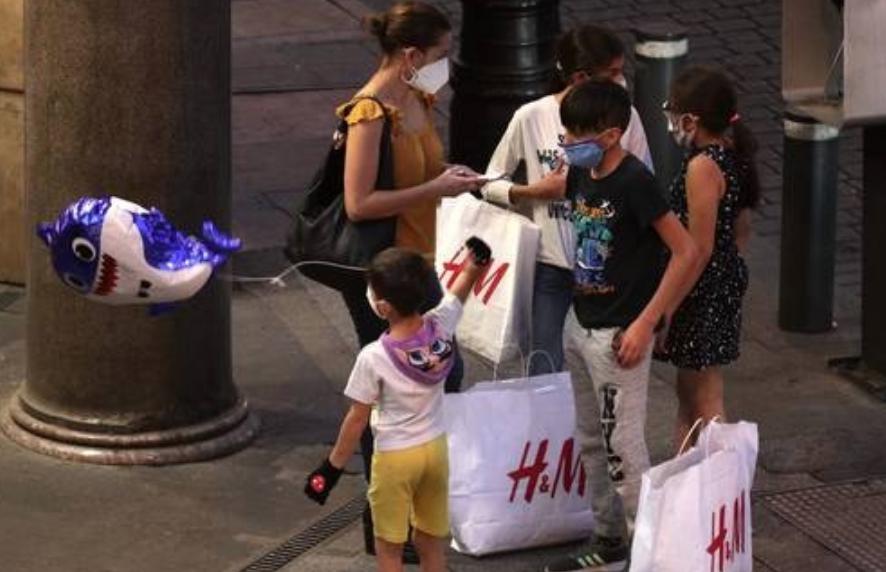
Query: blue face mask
585,154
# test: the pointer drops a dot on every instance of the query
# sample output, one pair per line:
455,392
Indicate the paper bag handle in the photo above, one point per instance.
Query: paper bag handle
523,366
696,426
532,354
525,362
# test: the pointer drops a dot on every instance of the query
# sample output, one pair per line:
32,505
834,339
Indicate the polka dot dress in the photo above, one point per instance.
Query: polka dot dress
705,329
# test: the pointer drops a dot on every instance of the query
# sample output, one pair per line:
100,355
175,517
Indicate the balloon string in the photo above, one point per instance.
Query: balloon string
278,279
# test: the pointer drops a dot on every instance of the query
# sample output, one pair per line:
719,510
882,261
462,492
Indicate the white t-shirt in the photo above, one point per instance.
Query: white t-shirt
406,413
534,135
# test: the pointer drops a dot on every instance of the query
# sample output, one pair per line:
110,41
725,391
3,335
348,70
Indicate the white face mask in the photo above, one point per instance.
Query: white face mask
373,302
681,137
620,80
432,77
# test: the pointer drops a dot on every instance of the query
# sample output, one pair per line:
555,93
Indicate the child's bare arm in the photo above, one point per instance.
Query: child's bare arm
704,186
684,254
349,435
550,187
323,479
479,256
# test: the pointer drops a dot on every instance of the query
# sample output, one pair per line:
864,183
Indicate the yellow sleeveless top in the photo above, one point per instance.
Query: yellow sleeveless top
418,158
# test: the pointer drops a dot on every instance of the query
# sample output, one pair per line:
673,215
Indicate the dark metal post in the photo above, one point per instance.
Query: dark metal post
132,99
809,225
873,293
660,51
505,59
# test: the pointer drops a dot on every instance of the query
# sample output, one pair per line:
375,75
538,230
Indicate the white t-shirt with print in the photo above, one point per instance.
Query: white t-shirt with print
534,135
406,413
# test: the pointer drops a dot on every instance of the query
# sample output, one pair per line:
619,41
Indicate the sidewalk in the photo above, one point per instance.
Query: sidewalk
293,61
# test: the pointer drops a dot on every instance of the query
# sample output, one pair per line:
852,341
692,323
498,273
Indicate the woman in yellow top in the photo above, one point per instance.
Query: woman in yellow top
414,39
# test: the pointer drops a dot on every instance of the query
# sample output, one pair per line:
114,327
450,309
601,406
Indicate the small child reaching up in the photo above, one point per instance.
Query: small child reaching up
399,380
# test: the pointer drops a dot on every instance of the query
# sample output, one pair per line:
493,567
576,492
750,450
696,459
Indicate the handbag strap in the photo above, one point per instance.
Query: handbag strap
343,124
385,176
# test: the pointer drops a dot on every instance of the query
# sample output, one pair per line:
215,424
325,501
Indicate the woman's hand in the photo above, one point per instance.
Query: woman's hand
457,179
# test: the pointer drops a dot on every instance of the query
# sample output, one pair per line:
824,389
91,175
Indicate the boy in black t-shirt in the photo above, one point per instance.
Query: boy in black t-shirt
621,290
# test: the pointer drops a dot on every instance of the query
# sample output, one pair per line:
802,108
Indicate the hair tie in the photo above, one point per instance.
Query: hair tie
734,119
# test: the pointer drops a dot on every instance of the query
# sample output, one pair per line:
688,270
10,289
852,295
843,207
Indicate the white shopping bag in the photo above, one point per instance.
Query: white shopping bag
497,316
515,474
695,510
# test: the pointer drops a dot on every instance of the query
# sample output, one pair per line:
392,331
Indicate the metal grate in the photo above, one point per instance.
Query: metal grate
847,518
309,537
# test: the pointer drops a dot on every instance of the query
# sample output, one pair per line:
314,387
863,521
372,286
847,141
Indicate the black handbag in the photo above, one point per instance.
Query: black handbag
327,246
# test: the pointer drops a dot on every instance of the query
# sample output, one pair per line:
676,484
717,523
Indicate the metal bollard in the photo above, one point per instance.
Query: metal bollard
873,316
808,225
660,52
505,59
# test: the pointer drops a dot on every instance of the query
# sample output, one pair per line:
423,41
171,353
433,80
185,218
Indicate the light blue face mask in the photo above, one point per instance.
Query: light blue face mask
584,154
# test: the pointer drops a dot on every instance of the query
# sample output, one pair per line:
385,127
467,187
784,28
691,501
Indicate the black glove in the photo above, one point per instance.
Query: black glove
321,482
481,251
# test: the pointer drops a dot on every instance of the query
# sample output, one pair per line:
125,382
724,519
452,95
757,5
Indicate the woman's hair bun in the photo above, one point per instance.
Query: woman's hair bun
407,24
376,24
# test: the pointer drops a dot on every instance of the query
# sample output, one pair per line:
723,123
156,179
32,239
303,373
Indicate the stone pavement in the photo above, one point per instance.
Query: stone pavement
294,60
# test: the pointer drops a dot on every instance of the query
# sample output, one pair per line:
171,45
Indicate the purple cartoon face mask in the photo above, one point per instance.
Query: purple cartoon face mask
426,357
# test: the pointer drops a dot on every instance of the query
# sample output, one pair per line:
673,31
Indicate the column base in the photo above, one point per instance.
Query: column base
222,435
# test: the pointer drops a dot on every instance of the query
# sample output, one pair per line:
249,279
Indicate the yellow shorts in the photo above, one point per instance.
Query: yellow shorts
411,486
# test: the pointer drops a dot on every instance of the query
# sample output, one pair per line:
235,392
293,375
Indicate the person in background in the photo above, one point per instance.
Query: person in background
533,137
713,194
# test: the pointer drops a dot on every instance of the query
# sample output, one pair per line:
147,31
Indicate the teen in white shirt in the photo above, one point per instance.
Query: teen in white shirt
533,137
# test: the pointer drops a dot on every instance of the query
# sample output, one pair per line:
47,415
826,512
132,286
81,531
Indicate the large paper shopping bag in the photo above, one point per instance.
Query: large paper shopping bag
695,510
497,316
516,476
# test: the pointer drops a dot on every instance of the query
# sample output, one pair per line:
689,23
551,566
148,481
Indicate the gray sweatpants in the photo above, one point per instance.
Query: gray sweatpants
611,421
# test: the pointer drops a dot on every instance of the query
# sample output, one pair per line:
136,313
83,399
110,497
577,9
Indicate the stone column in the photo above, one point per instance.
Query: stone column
130,99
12,147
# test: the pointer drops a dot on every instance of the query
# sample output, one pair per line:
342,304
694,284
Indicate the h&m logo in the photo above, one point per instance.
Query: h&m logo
724,547
569,467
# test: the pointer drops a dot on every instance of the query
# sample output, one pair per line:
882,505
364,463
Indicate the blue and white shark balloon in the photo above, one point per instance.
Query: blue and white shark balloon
117,252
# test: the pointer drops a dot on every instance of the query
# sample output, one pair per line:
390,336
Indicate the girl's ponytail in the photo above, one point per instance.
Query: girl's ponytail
745,149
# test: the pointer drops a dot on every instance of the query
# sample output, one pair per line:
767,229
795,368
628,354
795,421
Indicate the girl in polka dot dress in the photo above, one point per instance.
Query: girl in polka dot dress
712,195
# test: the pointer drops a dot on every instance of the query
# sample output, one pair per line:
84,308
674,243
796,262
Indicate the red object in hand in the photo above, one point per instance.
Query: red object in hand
321,481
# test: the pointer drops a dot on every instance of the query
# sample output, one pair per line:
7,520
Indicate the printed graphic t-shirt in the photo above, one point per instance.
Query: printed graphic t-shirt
533,135
618,262
406,412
